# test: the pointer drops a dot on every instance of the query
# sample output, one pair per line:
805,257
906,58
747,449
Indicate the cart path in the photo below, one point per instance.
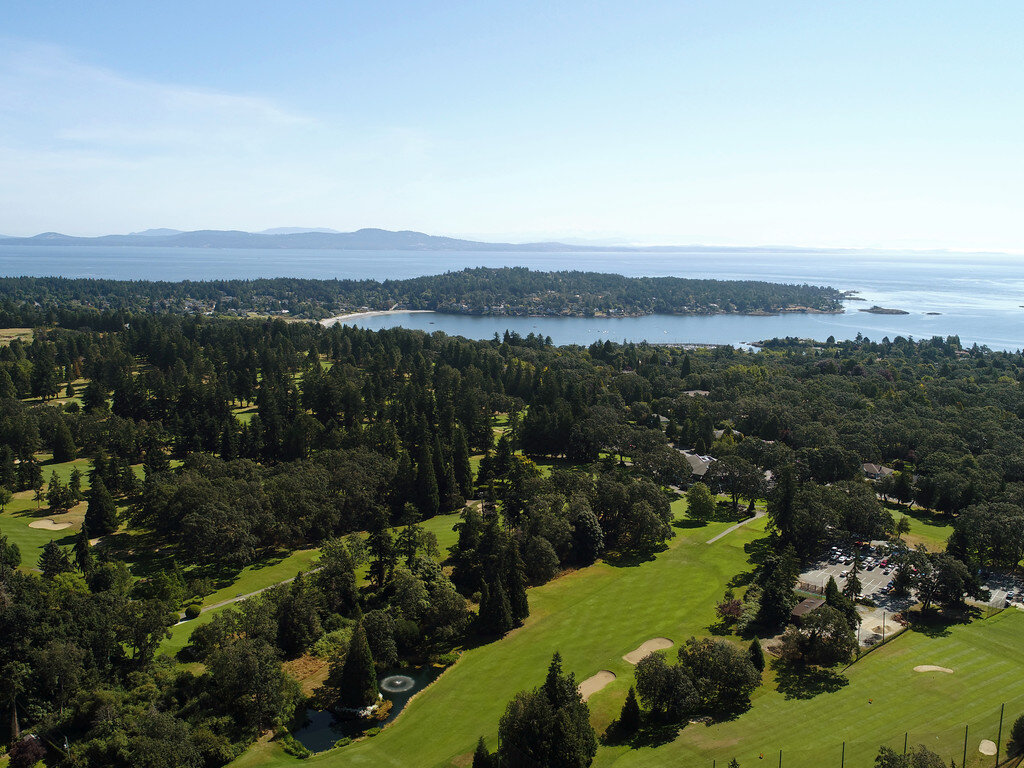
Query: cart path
757,513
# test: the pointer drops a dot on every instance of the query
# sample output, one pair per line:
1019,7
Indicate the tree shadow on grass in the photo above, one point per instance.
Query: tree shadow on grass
935,624
758,550
629,559
688,522
741,579
651,733
796,681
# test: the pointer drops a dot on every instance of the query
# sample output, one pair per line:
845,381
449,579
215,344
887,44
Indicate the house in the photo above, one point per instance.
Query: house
718,433
877,471
805,607
697,392
698,464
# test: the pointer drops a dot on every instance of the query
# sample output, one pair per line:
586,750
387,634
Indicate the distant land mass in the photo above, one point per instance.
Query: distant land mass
327,239
503,291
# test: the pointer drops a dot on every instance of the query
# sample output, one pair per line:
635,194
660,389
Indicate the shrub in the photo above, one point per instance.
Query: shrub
371,732
294,747
343,742
193,611
446,659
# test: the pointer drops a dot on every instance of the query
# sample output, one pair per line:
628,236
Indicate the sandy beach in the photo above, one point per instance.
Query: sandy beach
329,321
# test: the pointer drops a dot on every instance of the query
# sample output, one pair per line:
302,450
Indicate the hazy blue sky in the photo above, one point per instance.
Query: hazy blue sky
807,123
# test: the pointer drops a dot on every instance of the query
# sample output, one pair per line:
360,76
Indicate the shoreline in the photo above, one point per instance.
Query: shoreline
327,322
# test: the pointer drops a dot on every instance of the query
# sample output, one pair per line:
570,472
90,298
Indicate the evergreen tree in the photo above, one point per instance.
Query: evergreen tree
495,612
428,496
481,757
101,514
298,620
83,552
75,485
358,678
756,653
53,560
63,444
461,465
515,584
57,494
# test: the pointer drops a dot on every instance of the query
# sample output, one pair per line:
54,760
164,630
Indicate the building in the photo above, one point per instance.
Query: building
805,607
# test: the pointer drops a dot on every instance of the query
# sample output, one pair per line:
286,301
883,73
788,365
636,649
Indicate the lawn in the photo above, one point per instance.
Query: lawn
883,700
22,510
595,615
592,617
926,528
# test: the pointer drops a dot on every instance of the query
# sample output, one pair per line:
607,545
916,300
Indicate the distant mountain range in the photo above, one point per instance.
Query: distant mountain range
328,239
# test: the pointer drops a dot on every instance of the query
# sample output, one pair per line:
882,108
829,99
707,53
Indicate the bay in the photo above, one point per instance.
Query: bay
978,296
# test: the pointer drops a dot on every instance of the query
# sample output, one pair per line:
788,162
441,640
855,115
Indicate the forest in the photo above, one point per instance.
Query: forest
30,301
213,442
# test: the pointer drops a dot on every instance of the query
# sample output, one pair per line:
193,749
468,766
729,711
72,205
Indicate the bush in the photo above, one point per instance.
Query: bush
446,659
371,732
343,742
294,747
193,611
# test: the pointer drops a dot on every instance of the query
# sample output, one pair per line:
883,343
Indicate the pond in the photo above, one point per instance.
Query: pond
320,729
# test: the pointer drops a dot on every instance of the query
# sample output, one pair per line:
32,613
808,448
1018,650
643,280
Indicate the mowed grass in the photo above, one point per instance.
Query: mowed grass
883,700
592,617
22,510
595,615
925,528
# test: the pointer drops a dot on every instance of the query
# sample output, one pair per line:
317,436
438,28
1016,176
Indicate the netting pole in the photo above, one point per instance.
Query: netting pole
905,744
964,763
780,758
842,758
999,738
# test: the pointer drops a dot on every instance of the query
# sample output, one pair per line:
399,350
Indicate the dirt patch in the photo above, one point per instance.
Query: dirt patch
933,668
595,683
987,747
652,645
49,525
310,671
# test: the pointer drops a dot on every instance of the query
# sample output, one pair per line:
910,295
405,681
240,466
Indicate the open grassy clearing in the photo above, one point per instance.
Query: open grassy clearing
23,510
592,616
926,527
7,335
883,699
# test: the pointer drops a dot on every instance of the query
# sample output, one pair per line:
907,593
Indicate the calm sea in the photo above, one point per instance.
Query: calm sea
978,296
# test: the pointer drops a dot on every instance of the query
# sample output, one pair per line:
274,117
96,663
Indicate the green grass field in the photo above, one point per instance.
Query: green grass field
595,615
925,528
592,616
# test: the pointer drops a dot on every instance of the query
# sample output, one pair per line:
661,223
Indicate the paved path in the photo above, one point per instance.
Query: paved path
239,598
757,513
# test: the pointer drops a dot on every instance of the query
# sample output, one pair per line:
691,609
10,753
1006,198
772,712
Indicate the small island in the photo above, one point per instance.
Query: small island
877,310
504,291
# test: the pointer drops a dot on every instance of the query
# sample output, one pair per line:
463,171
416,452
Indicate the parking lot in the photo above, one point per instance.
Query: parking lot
1007,591
873,576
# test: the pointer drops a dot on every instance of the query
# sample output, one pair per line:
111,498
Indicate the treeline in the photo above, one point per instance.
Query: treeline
34,301
258,435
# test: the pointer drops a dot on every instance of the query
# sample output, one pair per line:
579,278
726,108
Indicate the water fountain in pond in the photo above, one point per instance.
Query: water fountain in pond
321,729
397,684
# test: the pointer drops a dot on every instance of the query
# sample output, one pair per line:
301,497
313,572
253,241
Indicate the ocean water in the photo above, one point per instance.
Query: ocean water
979,296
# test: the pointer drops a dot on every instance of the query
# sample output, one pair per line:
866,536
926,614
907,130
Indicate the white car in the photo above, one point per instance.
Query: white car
844,574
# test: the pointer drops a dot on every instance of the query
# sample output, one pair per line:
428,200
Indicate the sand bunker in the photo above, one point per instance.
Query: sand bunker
933,668
595,683
49,525
987,747
652,645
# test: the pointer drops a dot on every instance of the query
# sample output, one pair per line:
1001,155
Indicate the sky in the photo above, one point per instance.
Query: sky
828,124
